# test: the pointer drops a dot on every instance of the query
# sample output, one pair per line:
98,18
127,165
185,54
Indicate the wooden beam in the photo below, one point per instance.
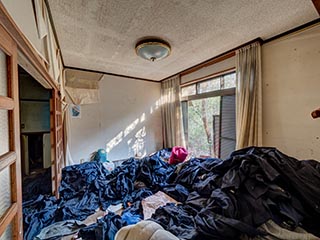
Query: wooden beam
223,92
11,102
7,159
14,131
6,103
210,76
316,4
6,219
208,63
294,30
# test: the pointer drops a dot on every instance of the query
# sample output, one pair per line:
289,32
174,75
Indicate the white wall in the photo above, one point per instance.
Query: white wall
22,13
127,122
291,91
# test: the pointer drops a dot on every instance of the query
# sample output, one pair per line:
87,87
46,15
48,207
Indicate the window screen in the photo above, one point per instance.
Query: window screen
228,125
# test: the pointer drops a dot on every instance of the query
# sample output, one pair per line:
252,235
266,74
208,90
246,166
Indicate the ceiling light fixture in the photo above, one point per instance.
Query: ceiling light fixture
153,49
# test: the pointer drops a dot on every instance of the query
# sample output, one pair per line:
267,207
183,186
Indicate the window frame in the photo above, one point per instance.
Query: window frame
216,93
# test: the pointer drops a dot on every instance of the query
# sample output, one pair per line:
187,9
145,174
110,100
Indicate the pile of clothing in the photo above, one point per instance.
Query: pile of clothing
257,193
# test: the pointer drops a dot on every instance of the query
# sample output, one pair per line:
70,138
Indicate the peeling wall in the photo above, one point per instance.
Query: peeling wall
126,123
291,84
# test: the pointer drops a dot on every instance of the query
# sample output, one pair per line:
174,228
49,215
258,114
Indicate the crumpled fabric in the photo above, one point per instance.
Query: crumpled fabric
37,214
177,219
88,186
59,229
176,191
105,228
219,199
275,232
235,196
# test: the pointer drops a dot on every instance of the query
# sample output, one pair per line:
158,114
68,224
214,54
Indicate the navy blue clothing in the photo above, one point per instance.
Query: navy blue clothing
88,186
219,199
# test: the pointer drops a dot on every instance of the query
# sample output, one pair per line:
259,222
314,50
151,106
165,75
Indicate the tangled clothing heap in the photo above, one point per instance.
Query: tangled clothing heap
220,199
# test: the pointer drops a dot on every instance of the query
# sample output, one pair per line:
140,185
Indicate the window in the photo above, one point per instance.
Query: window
209,116
188,91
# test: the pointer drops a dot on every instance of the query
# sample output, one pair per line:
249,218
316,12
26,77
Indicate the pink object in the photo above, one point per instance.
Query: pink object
178,155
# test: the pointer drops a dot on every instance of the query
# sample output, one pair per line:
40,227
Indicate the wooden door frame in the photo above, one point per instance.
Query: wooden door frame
57,144
20,43
12,158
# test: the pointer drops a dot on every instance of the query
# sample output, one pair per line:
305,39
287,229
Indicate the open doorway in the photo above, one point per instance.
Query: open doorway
35,136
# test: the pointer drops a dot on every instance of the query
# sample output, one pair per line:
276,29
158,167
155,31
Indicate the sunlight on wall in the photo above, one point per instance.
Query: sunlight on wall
143,117
155,106
131,127
138,146
134,134
114,142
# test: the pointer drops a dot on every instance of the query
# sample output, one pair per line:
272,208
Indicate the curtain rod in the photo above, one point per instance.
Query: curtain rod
210,76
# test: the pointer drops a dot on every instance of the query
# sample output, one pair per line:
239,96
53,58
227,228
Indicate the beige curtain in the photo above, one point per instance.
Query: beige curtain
248,96
171,113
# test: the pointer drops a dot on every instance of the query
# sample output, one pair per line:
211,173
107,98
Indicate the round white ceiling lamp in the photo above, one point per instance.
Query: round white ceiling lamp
153,49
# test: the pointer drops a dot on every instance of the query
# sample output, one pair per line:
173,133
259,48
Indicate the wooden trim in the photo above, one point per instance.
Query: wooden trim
210,62
6,103
14,130
210,76
294,30
33,100
7,159
59,142
8,44
56,140
24,45
222,92
53,142
216,59
112,74
6,219
316,4
221,56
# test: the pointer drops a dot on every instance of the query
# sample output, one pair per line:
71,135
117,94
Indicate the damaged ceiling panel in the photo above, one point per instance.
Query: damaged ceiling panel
101,34
82,87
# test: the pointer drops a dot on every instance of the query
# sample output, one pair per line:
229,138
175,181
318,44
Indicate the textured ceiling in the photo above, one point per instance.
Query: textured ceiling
101,34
